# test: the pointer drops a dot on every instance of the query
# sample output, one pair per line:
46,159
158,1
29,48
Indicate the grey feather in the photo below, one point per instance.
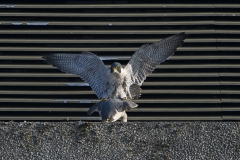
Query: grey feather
129,104
147,57
87,65
112,107
135,91
94,107
118,83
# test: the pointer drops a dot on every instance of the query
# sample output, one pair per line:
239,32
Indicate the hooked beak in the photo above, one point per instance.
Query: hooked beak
114,69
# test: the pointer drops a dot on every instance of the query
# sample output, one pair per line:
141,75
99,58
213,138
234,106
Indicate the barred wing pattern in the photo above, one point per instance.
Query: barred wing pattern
87,65
147,57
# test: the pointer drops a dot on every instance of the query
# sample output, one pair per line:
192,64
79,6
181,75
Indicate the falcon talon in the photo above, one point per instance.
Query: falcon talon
107,120
104,99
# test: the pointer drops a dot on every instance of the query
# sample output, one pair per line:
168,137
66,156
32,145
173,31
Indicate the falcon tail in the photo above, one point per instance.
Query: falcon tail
135,91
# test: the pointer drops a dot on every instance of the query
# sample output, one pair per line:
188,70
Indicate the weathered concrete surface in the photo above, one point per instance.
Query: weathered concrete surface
132,140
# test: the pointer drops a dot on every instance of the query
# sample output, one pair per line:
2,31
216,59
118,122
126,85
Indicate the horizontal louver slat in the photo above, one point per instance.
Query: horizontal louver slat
201,81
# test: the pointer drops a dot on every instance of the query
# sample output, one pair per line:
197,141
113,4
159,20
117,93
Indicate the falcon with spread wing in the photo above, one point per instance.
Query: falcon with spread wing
117,82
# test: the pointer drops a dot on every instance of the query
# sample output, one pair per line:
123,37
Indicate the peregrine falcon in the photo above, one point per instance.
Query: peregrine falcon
117,82
113,109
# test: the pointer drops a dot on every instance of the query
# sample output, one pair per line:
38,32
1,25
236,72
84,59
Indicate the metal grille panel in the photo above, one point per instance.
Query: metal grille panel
199,82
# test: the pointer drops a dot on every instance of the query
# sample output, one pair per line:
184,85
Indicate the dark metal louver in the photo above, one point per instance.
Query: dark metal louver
200,82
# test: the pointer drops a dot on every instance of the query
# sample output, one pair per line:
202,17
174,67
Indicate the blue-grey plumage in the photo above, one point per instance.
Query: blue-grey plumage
113,109
118,82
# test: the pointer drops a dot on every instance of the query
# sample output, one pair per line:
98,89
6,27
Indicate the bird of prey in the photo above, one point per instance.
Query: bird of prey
113,109
117,82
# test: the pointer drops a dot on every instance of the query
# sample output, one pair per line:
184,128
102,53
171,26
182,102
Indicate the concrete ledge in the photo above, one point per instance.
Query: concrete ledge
167,140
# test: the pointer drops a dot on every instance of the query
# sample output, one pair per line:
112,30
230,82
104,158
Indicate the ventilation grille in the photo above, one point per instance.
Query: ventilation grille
200,82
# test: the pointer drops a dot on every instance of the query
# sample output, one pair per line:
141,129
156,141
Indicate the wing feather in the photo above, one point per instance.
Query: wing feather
147,57
87,65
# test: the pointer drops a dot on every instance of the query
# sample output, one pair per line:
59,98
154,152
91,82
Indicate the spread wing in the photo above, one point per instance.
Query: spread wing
147,57
87,65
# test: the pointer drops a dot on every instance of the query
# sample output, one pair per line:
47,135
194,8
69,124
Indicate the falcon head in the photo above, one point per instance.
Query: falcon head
116,67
